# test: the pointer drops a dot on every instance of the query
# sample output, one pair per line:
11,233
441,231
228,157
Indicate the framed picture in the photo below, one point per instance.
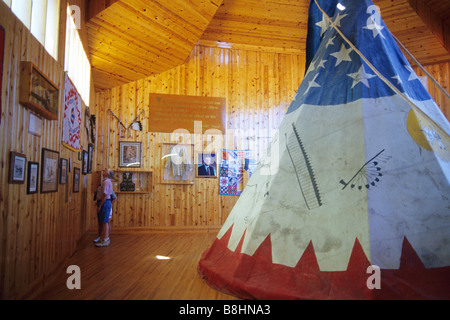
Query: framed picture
33,177
129,154
90,157
85,159
63,169
49,170
17,165
206,165
177,163
76,179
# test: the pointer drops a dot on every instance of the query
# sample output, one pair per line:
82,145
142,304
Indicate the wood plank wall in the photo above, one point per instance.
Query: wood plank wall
258,88
37,231
441,73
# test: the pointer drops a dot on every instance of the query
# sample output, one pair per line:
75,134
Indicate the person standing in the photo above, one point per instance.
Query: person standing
104,208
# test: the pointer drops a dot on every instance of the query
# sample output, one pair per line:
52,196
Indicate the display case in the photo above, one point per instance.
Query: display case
132,182
37,92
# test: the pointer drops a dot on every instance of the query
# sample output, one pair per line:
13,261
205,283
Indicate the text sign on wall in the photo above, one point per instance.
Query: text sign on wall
170,112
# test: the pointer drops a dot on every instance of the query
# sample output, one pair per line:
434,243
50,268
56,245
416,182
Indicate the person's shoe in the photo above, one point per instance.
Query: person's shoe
103,243
97,240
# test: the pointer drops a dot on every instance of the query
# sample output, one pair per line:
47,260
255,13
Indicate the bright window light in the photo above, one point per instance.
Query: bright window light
77,63
22,9
41,17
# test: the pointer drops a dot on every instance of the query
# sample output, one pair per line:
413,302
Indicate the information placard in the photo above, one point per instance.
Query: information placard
168,113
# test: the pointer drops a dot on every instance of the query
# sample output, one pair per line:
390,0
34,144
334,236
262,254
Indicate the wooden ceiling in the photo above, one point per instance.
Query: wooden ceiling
131,39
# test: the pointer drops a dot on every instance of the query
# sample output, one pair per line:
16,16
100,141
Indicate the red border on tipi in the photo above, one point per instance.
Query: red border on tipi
257,277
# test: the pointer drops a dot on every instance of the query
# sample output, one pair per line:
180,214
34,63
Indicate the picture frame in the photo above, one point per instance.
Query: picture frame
33,177
206,165
90,157
17,167
49,170
76,179
37,92
63,170
129,154
177,163
85,161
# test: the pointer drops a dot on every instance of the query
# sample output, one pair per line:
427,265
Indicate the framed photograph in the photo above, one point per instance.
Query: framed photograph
63,170
129,154
85,159
17,167
76,179
206,165
49,170
90,157
33,177
177,163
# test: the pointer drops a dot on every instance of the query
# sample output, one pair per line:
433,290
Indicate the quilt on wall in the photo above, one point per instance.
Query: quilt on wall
71,136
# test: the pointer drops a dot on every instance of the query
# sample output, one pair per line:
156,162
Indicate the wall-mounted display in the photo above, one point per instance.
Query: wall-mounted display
63,170
132,182
17,167
76,180
71,130
127,183
85,159
38,92
49,170
177,165
209,111
231,176
33,177
90,157
129,154
206,165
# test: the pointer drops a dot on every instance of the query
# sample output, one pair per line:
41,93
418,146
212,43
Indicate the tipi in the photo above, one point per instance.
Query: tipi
352,200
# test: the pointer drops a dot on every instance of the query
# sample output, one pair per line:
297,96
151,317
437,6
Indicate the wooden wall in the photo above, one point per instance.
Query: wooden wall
258,88
441,73
37,231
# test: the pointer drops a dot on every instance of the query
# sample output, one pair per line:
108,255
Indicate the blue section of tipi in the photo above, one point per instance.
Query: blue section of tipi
337,74
317,26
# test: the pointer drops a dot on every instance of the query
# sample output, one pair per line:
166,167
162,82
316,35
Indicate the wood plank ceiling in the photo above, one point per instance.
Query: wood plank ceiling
132,39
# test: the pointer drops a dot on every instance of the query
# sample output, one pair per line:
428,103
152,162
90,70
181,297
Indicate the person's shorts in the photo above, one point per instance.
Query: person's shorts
105,212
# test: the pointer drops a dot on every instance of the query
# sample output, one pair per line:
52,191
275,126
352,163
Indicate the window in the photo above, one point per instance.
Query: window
76,61
41,17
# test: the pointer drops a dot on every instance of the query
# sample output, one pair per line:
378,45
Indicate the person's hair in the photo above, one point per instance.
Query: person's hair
110,173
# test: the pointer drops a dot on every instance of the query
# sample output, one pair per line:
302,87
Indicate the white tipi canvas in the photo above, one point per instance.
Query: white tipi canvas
352,199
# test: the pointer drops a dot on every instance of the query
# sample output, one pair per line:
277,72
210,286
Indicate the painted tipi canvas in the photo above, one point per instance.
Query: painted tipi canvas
352,200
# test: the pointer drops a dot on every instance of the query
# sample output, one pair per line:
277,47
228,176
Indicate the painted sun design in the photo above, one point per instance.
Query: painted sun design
369,174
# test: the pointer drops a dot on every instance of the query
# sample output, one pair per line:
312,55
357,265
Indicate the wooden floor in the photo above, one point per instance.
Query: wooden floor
129,269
